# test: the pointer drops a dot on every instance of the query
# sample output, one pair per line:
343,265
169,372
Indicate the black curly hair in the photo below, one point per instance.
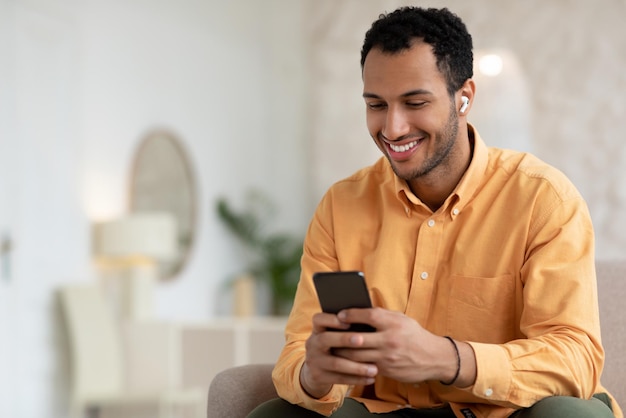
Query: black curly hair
440,28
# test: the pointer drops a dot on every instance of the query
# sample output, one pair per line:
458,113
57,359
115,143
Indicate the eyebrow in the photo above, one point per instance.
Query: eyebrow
367,95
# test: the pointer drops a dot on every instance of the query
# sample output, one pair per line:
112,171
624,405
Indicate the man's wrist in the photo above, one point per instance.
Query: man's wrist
458,363
468,372
315,393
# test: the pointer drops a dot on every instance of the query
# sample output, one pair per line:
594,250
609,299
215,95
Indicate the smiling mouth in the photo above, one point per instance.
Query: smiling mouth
403,148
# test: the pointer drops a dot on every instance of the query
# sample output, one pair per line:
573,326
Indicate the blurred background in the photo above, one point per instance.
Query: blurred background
111,109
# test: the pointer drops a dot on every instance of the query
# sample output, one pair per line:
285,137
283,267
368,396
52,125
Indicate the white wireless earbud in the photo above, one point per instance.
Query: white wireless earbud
465,101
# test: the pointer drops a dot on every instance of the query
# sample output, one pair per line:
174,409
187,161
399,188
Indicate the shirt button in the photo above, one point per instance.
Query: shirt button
489,392
455,211
424,275
431,223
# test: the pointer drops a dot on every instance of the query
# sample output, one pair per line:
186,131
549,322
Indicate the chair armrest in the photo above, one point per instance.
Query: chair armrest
236,391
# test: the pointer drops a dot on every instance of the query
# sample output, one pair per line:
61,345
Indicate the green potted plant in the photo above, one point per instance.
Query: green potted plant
276,256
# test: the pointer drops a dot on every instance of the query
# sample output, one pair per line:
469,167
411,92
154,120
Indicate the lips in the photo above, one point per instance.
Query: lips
401,152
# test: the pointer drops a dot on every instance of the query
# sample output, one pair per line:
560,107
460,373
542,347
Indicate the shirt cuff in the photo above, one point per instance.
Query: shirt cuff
325,405
493,372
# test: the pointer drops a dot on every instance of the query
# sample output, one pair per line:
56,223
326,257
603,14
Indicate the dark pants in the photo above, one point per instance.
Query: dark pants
553,407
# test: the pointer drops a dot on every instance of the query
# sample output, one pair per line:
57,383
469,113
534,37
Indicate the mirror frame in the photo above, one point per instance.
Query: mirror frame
147,191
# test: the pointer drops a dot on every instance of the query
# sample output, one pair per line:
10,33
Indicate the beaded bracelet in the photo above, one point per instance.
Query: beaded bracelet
458,363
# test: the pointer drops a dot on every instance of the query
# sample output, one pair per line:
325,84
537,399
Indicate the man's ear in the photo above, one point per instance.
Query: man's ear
465,96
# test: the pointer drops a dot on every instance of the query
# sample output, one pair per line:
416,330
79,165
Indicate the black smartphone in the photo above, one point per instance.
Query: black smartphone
338,290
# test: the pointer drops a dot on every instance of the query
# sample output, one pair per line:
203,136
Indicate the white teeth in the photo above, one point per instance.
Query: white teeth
403,148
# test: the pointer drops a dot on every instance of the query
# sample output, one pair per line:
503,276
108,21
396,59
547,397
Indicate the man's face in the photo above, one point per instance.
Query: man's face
410,115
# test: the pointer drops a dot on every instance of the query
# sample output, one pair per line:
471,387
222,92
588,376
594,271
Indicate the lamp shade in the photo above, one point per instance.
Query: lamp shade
140,234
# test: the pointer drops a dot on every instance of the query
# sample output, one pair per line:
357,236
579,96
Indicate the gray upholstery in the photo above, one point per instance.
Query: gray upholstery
235,392
612,298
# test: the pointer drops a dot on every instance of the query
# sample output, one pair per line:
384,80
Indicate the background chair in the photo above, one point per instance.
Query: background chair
99,366
235,392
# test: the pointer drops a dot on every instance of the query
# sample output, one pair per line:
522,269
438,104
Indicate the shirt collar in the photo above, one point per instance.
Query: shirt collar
474,174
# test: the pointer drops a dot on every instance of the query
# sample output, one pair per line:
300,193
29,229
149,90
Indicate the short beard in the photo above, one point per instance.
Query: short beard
445,140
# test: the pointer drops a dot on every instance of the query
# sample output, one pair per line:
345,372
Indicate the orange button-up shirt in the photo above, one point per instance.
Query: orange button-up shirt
506,264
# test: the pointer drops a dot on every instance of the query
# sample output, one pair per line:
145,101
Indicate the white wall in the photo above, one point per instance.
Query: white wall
81,83
41,202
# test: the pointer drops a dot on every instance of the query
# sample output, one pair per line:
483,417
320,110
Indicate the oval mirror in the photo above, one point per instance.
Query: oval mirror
162,180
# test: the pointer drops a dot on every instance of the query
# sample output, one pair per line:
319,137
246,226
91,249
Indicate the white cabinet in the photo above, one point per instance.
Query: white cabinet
208,348
170,355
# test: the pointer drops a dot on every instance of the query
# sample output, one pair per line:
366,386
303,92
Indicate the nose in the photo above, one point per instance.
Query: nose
396,124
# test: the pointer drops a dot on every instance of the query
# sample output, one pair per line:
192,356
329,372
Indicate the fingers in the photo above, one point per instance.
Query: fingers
359,355
322,368
375,317
344,357
330,369
323,321
400,348
328,342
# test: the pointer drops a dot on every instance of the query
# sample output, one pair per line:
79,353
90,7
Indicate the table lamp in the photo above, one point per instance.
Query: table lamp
128,251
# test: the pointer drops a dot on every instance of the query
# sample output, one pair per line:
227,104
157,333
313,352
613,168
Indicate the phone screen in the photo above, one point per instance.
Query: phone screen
342,290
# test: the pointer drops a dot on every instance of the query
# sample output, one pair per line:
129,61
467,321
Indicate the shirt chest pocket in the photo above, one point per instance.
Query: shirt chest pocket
482,309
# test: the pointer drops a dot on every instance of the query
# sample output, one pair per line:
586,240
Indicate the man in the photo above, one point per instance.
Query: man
480,261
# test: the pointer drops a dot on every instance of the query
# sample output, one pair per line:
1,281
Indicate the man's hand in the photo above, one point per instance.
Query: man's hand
322,367
400,349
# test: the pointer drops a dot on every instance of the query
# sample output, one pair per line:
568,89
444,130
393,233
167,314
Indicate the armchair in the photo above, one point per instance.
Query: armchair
236,391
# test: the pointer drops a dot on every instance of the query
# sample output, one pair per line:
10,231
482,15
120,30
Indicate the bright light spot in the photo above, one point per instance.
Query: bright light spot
102,198
490,65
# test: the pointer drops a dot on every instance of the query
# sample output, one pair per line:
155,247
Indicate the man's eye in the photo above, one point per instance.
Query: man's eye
375,106
415,104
